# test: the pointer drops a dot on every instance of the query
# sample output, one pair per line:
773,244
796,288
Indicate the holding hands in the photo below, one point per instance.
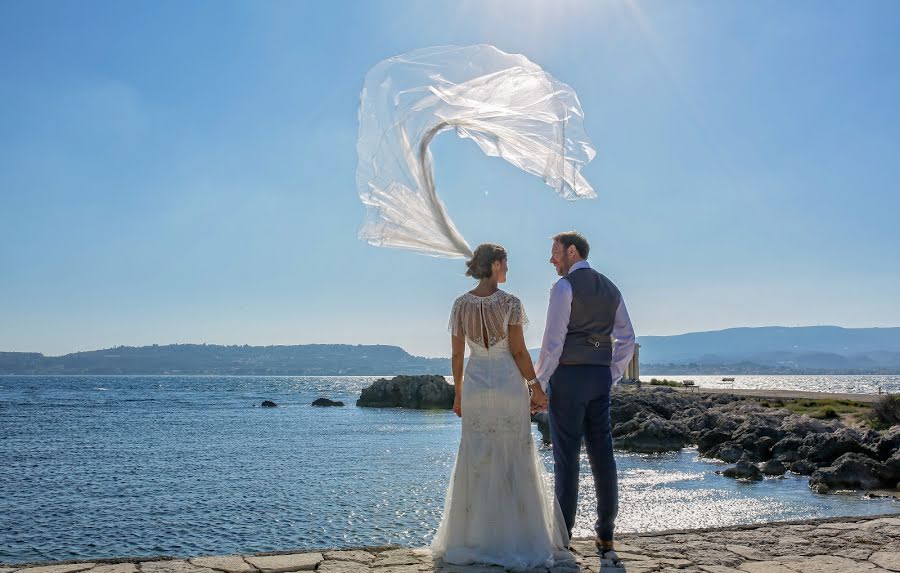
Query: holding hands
538,399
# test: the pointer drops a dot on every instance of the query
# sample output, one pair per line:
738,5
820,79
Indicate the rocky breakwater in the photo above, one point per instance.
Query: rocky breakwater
418,392
760,440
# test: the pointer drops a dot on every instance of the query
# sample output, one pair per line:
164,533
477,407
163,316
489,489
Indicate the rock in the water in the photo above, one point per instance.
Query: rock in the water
269,404
728,452
710,440
823,449
649,434
417,392
744,470
757,448
803,467
850,471
786,449
325,402
772,468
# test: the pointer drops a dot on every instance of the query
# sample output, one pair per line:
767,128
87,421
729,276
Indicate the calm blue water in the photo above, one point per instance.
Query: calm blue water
138,466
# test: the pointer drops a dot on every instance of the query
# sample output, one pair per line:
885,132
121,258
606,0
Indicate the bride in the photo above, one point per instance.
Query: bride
497,509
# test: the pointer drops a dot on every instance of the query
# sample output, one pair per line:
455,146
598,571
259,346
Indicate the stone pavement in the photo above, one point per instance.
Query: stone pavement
844,545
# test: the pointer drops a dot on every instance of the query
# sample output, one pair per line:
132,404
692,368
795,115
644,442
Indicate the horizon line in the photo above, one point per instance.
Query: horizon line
150,345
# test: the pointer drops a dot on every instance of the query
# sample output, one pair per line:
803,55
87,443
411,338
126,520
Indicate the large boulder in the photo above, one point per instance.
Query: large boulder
756,448
891,475
662,401
765,423
703,422
729,452
786,449
623,408
325,402
850,471
690,412
888,443
709,440
428,392
772,468
823,449
803,467
743,470
649,433
269,404
803,425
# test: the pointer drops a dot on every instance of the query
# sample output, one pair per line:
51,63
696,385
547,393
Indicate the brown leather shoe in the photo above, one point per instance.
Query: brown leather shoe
603,546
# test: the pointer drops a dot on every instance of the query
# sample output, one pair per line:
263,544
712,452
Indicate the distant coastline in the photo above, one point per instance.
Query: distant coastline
244,360
767,350
755,369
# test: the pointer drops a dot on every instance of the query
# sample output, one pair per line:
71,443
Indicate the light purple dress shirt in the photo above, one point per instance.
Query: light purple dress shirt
558,314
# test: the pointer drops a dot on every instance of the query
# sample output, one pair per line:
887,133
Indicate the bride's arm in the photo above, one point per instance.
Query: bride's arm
526,367
457,356
519,352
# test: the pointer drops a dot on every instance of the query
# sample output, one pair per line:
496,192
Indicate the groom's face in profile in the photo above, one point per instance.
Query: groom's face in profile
561,258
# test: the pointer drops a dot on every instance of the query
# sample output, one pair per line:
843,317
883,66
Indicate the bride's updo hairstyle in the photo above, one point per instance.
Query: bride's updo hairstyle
479,266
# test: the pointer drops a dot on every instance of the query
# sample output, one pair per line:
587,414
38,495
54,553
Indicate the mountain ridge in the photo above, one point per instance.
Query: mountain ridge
745,350
274,360
808,349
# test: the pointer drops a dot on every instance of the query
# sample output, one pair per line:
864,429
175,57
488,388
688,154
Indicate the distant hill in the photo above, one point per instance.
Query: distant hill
299,360
775,349
766,350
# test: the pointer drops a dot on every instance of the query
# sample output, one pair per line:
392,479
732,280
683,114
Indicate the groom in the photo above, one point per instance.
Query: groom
588,343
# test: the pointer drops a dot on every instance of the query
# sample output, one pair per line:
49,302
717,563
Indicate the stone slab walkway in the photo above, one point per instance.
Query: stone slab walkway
844,545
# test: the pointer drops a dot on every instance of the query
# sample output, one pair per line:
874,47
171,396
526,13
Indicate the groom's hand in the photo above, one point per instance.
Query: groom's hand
538,399
538,408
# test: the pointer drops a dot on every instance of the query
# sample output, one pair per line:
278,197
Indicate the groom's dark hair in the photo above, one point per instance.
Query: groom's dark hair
570,238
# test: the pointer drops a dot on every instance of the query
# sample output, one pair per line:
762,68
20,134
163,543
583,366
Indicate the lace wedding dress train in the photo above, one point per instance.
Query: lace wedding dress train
497,510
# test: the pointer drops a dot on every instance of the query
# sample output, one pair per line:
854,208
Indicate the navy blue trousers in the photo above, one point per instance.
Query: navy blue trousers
579,410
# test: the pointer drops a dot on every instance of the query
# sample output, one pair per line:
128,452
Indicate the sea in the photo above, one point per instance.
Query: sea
139,466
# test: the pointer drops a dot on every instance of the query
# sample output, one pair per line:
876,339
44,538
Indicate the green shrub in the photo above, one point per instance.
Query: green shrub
664,382
829,413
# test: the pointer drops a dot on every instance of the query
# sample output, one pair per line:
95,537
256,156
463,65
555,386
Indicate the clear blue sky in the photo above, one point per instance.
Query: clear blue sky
184,171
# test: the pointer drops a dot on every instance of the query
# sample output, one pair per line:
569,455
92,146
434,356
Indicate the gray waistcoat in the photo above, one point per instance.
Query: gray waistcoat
595,300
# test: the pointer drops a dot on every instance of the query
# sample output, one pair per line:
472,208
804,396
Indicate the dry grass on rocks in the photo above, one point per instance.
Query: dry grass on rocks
886,412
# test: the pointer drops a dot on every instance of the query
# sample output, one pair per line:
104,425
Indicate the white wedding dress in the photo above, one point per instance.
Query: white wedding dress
497,509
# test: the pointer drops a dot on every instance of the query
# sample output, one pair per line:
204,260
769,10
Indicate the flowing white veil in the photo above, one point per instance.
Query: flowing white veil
504,102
